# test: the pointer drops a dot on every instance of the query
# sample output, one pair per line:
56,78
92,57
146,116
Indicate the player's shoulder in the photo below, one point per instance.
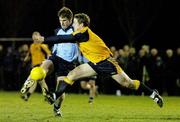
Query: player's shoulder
44,45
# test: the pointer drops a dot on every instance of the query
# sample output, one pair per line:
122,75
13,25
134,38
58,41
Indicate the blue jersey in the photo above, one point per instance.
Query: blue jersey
66,51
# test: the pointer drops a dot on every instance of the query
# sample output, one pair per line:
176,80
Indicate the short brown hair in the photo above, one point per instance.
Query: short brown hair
65,12
83,18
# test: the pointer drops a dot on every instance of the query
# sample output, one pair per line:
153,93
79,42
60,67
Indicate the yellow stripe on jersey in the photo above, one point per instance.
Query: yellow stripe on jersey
94,49
115,63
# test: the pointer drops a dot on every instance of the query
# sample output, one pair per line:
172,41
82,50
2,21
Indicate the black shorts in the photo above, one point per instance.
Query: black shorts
106,67
61,66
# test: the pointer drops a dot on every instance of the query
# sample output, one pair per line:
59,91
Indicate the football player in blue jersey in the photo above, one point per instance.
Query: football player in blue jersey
63,59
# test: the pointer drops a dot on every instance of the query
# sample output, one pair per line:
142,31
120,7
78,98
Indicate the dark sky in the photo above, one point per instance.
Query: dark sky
118,22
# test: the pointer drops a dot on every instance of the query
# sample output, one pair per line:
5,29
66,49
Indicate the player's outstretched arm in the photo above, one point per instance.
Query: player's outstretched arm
78,37
60,39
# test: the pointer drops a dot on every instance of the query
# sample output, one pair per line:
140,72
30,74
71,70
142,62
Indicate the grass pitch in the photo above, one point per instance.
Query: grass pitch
106,108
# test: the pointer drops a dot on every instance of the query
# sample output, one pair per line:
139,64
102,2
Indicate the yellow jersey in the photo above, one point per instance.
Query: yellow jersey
94,49
39,53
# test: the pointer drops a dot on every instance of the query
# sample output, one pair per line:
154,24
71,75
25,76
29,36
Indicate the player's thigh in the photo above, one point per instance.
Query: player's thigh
48,66
81,71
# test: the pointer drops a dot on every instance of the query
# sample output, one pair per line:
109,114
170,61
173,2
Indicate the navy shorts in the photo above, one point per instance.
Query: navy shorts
106,67
61,66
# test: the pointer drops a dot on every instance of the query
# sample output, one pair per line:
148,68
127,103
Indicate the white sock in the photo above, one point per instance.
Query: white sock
152,95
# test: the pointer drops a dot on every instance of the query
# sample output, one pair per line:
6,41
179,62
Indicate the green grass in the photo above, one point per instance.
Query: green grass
106,108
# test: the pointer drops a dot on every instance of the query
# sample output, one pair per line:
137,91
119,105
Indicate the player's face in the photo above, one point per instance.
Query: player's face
76,25
35,37
64,22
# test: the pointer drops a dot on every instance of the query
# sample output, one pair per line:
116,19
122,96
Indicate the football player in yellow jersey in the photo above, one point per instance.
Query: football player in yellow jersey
38,53
100,61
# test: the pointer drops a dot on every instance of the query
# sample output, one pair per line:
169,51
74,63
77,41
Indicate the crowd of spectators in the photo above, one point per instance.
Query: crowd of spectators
156,68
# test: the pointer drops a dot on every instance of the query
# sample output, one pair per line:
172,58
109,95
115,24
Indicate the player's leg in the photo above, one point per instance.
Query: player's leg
59,101
57,105
25,95
44,87
123,79
88,85
48,66
81,71
35,76
92,90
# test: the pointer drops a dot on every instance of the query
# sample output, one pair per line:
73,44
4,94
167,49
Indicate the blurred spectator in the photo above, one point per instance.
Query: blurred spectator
126,56
23,66
142,66
121,58
142,71
116,54
130,65
146,48
132,68
156,70
10,71
169,72
113,49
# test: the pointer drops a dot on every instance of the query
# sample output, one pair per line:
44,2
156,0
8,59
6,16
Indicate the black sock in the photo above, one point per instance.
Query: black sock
91,98
62,87
28,94
145,89
56,106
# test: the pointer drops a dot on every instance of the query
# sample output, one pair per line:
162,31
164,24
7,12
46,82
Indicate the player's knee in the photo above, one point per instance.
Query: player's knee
37,73
48,66
72,75
88,86
133,84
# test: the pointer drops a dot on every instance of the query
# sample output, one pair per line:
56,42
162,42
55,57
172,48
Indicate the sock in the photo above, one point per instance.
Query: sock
62,87
91,98
145,88
28,94
56,106
152,95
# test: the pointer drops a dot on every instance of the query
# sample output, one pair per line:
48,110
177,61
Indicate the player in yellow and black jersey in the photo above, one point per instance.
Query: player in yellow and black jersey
100,61
38,53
